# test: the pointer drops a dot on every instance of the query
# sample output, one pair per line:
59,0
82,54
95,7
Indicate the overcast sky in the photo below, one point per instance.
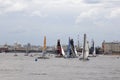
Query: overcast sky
26,21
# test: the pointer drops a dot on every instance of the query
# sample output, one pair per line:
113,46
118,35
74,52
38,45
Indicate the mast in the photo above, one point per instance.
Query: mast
78,42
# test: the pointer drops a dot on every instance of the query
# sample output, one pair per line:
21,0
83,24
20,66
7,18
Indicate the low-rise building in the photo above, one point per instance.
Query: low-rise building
111,47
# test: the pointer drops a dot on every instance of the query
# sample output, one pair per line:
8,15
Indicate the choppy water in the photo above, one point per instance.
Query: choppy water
26,68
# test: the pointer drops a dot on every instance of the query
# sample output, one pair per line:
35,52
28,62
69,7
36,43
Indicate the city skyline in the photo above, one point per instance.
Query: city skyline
28,21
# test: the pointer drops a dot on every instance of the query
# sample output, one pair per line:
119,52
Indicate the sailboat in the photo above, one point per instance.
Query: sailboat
60,50
27,49
85,49
92,50
94,53
44,47
68,49
86,53
71,50
44,50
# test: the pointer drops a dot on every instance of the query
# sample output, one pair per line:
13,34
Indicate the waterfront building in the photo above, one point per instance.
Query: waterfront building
111,47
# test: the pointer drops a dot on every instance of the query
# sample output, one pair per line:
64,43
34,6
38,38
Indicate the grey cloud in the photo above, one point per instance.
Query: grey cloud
18,25
92,1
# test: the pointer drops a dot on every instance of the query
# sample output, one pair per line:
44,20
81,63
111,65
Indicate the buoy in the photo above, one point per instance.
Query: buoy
36,59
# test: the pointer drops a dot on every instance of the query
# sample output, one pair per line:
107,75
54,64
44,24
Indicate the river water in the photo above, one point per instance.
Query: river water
26,68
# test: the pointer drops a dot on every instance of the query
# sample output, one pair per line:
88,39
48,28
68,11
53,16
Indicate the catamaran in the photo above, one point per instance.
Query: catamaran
60,50
68,49
44,47
92,50
44,52
85,49
71,50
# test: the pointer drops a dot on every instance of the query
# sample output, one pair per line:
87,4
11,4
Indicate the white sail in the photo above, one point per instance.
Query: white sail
76,52
93,49
94,52
86,50
63,52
